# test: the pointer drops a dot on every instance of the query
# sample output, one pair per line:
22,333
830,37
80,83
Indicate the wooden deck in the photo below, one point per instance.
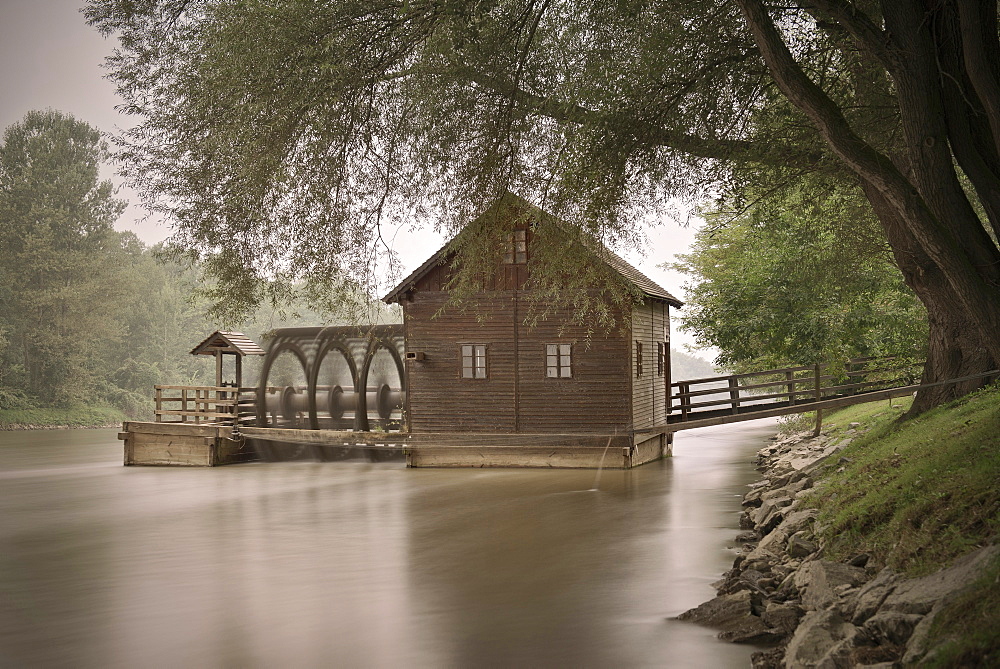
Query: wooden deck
696,403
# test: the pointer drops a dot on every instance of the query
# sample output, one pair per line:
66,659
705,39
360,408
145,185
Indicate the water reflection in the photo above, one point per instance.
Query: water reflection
357,564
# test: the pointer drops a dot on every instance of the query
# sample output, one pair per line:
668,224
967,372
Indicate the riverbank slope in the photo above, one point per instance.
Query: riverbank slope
50,418
874,543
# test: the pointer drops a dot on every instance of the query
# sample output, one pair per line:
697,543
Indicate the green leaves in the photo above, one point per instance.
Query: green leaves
802,276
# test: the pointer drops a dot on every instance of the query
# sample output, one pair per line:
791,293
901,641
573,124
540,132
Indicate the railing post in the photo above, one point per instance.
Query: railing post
819,396
184,404
790,382
158,403
734,393
685,389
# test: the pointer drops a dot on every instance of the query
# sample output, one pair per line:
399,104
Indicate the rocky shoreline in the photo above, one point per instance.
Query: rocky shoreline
812,612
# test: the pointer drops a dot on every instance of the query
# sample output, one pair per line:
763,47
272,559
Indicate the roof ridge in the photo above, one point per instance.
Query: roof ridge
616,262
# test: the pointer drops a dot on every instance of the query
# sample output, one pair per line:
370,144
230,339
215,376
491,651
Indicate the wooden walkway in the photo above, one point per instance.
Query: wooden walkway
779,392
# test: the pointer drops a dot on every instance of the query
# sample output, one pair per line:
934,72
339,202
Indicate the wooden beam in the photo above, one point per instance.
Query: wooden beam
438,439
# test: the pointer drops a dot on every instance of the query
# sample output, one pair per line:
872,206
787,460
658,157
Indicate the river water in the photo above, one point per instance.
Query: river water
354,564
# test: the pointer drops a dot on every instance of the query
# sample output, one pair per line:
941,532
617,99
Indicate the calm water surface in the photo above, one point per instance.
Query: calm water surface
352,564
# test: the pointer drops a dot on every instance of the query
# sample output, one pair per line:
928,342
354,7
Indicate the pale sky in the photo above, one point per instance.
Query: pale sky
49,57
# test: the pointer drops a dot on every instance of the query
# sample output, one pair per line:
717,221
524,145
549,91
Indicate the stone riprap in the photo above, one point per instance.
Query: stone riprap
812,611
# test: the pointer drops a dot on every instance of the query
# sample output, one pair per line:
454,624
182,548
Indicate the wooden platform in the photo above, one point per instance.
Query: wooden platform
449,449
186,444
183,444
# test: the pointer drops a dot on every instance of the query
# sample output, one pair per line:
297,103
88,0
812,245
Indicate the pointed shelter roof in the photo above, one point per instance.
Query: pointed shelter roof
227,342
648,287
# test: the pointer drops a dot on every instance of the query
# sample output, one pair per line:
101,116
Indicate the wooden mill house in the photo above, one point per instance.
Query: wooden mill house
497,392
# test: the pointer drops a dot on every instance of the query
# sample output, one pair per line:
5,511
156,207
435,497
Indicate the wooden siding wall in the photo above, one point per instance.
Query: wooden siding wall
650,325
596,399
438,398
516,396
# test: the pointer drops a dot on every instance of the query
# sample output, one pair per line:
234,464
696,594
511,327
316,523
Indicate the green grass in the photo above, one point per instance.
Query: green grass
915,494
73,417
869,415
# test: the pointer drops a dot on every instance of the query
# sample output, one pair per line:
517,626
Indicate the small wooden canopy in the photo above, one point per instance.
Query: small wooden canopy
227,342
220,343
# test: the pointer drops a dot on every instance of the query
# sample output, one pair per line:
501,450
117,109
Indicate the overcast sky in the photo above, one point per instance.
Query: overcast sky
49,57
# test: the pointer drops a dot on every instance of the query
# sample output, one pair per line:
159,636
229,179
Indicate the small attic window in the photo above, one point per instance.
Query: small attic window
517,248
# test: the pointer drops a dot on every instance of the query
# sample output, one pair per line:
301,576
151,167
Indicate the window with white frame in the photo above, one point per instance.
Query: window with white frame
473,361
559,361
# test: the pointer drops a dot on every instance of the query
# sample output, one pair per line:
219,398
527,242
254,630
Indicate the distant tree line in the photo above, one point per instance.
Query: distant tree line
90,316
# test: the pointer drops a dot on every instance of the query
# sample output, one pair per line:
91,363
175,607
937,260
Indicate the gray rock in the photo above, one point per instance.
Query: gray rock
916,646
768,659
753,632
817,582
892,626
753,498
782,617
732,614
919,595
799,547
859,560
772,546
724,611
822,639
787,589
744,537
770,514
871,595
796,521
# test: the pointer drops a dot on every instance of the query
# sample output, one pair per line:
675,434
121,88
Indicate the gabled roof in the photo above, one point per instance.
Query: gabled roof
646,285
227,342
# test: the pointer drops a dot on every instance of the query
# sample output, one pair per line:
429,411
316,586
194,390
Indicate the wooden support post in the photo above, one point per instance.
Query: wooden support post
734,393
790,382
184,403
685,389
158,402
819,396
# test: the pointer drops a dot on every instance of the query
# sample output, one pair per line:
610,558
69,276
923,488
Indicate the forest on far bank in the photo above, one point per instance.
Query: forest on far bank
90,316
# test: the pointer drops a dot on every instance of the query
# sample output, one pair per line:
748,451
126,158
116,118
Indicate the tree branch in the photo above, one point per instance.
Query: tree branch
980,50
866,32
647,133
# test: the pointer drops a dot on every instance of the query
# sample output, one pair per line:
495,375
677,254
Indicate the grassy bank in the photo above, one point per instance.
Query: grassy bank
18,419
917,494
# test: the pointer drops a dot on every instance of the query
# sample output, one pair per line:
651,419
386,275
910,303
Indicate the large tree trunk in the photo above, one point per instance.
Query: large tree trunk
954,348
938,240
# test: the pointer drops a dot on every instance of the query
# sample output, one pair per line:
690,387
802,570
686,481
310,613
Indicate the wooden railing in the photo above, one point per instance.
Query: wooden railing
787,386
219,405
